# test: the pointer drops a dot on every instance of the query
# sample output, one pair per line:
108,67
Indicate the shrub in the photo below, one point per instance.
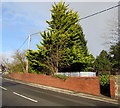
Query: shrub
60,76
104,80
105,84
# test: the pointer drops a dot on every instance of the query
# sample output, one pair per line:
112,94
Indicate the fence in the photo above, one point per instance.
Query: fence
78,74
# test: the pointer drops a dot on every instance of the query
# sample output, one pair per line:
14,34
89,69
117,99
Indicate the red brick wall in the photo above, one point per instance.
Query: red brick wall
112,87
89,85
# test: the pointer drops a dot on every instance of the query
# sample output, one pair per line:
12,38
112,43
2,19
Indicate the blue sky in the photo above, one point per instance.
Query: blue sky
19,19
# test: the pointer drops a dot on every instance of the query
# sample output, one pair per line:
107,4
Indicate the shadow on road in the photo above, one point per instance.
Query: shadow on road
8,83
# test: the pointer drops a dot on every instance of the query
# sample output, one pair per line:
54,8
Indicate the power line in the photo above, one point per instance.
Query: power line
27,39
99,12
35,33
23,43
80,19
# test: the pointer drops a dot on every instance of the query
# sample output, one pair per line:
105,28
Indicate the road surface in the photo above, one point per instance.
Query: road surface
17,94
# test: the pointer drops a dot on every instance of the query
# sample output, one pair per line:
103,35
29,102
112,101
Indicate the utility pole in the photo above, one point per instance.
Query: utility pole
29,40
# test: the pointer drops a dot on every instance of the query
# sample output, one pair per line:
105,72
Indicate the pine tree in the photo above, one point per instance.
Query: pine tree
65,22
64,43
102,62
115,52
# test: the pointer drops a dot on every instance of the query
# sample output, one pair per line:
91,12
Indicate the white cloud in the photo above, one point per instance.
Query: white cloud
26,14
6,55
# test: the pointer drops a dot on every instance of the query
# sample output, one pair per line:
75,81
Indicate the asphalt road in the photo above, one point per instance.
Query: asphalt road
16,94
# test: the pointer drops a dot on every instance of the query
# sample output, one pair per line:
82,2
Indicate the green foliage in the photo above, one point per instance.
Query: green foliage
63,45
18,64
102,62
35,62
115,52
61,76
104,80
105,84
17,67
104,74
10,71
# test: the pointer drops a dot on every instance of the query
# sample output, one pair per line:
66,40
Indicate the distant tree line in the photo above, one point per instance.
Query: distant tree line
109,61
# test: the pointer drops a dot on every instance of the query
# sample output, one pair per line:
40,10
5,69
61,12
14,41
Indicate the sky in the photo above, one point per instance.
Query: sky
20,19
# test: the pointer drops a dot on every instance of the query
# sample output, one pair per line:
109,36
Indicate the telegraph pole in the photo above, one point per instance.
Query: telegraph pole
29,40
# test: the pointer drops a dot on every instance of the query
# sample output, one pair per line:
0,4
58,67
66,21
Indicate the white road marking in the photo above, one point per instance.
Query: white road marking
25,97
3,88
67,92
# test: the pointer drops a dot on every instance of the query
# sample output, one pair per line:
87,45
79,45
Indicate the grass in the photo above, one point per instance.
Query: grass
60,76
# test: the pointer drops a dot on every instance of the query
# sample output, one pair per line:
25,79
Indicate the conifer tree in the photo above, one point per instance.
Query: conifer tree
115,52
102,62
64,43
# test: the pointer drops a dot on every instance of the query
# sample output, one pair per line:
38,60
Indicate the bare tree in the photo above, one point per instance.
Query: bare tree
112,33
19,61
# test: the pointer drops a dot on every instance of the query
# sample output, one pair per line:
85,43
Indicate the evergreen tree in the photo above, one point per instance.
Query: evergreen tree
115,52
65,22
102,62
35,59
64,44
